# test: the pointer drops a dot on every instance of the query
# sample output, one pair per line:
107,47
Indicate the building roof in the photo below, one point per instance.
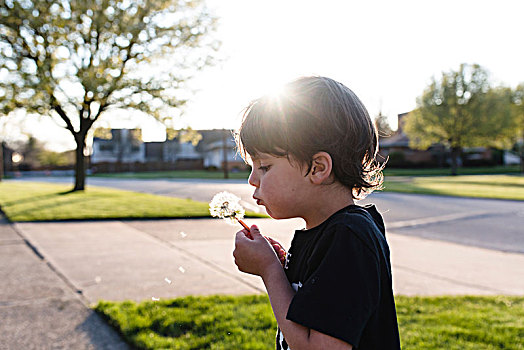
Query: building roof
395,140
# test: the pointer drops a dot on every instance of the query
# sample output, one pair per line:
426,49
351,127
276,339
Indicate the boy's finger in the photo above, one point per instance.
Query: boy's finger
254,231
246,233
272,241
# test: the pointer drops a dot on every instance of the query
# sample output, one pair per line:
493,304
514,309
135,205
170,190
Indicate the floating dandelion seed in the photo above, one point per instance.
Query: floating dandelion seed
225,205
98,279
168,281
155,299
183,234
181,269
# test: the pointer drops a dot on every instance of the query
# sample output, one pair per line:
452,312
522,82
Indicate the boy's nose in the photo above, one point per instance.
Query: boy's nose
253,180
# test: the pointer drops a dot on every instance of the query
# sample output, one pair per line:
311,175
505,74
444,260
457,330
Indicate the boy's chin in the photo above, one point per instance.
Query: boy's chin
277,216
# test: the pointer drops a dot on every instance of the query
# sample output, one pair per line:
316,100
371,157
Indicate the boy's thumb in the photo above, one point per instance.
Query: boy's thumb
254,230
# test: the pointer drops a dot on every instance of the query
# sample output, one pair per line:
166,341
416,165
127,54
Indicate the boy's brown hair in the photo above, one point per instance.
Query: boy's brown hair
311,115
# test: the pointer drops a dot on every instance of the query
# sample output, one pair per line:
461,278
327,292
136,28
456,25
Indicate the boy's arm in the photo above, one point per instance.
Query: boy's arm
256,256
297,336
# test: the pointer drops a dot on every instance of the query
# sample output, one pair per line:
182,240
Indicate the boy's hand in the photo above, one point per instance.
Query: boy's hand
253,253
281,252
277,247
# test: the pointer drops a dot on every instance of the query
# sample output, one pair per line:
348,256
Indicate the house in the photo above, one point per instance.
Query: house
212,148
124,146
125,151
396,149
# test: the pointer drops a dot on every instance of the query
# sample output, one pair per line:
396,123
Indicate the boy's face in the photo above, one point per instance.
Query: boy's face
280,186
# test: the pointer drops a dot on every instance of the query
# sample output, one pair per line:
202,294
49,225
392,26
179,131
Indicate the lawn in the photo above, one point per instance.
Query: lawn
33,201
510,169
502,183
208,174
177,174
481,186
247,322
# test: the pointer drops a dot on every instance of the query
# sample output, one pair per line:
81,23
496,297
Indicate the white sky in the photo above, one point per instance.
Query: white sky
385,51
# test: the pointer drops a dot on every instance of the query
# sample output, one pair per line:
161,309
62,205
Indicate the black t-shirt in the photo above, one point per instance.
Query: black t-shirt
342,274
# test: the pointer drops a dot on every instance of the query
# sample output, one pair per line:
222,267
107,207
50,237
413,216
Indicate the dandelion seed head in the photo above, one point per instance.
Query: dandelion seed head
225,205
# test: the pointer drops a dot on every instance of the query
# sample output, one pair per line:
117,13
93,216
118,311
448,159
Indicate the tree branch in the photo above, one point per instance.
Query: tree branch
56,106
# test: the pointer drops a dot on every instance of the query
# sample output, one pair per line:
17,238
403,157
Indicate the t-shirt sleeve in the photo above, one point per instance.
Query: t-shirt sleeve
341,294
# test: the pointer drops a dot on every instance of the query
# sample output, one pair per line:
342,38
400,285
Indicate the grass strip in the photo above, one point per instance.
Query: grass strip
33,201
208,174
177,174
493,170
247,322
480,186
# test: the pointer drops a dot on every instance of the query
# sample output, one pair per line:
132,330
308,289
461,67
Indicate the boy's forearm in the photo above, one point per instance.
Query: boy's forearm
280,295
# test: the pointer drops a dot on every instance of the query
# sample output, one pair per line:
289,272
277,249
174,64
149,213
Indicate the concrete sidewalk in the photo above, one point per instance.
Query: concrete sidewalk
141,260
43,299
39,309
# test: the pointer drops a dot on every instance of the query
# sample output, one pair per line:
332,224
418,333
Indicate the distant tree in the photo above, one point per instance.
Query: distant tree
518,121
1,160
79,59
460,110
53,159
382,124
31,151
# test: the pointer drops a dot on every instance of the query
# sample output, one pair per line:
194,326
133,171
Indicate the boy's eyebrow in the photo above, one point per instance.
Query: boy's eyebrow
259,158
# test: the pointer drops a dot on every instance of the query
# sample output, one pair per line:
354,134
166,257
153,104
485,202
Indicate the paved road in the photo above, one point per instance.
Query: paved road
491,224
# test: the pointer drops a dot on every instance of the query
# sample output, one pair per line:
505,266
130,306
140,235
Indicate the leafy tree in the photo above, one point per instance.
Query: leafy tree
80,59
53,159
518,121
460,110
1,160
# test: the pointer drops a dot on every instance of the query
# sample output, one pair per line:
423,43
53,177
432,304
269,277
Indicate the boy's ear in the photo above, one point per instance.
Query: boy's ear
321,168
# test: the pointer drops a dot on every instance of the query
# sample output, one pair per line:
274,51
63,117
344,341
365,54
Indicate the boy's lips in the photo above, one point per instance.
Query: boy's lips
258,200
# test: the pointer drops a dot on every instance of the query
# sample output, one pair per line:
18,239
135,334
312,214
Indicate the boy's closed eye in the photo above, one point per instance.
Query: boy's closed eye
264,168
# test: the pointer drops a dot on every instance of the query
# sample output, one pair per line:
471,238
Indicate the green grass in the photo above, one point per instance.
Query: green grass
247,322
177,174
205,174
217,322
481,186
30,201
511,169
461,322
33,201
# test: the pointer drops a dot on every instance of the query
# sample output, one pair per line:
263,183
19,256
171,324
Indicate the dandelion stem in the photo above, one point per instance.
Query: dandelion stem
242,223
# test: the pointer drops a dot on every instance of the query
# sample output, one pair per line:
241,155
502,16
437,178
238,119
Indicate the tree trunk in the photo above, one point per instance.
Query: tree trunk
522,154
80,165
224,153
455,153
1,161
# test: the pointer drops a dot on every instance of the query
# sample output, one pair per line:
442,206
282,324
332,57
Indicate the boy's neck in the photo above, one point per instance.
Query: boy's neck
325,203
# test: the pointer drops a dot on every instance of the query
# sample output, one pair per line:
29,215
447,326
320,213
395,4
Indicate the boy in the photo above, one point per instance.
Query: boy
313,152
